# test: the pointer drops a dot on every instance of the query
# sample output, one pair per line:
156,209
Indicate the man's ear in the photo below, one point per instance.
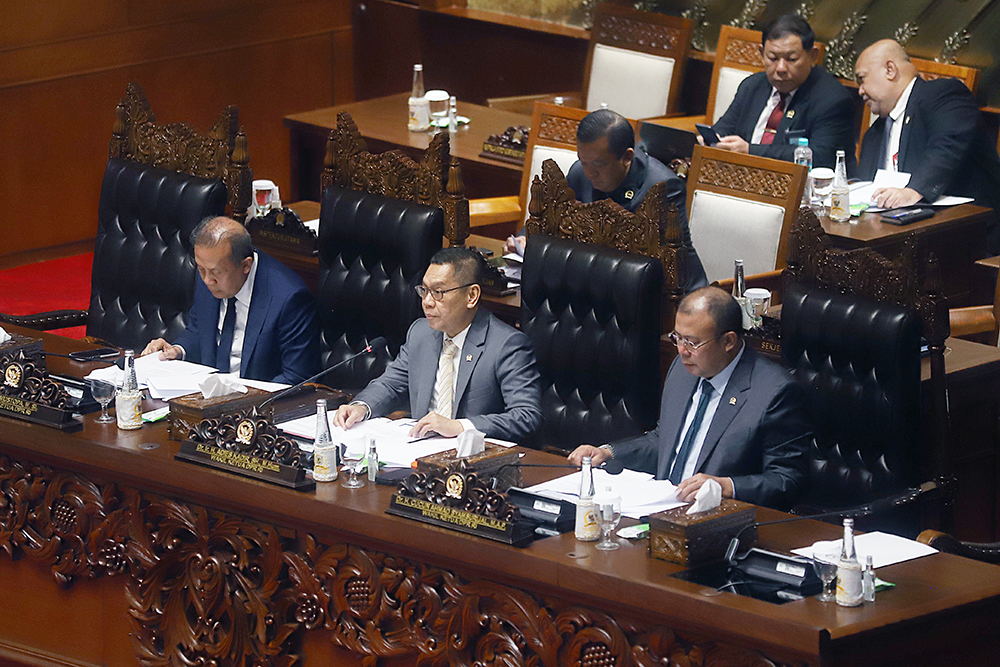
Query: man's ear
475,291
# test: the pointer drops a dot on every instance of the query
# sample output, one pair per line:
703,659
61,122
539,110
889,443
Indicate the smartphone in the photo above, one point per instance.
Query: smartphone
707,133
906,215
95,355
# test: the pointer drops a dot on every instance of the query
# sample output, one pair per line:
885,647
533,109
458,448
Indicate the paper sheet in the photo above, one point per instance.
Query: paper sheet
392,440
884,548
640,493
172,375
862,191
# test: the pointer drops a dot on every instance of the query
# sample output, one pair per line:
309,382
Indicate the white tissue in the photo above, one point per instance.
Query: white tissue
470,443
4,336
220,385
708,497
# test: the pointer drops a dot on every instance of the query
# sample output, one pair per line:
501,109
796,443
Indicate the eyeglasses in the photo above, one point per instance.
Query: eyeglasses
677,339
437,294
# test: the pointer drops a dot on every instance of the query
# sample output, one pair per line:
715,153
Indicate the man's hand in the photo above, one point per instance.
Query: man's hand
733,143
515,244
433,422
689,487
895,197
348,415
597,456
166,350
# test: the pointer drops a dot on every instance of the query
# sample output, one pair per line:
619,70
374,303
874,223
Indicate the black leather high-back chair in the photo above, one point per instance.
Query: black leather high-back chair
142,284
861,360
593,317
372,252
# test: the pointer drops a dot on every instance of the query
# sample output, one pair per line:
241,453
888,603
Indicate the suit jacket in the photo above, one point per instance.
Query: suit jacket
645,172
281,341
821,111
759,435
498,386
943,146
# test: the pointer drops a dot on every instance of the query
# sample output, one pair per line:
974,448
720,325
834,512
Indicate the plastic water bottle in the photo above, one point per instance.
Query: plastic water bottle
804,155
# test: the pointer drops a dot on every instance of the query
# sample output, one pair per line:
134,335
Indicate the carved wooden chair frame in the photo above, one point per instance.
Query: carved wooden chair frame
221,153
435,181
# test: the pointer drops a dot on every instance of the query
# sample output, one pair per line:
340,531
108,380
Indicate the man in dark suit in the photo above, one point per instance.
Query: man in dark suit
460,367
251,314
791,98
936,134
726,414
609,167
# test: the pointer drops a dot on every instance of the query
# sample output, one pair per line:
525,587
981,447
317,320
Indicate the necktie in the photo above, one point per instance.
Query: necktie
774,119
226,339
677,471
884,161
444,385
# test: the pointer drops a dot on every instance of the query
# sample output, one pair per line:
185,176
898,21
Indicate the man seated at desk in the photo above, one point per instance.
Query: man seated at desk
932,130
609,167
726,414
251,314
791,98
460,366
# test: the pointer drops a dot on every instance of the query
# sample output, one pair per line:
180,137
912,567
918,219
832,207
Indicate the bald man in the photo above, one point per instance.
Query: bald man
932,130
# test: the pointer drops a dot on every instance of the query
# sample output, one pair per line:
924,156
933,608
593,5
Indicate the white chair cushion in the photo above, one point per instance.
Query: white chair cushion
730,79
633,83
563,157
724,228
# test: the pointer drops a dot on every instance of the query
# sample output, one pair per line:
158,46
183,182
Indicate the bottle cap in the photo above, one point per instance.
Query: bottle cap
418,68
803,141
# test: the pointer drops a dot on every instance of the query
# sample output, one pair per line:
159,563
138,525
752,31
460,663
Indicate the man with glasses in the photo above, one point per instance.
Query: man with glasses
460,367
726,414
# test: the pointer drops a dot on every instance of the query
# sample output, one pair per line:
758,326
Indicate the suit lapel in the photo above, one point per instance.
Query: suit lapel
904,132
759,101
730,404
260,302
675,403
871,148
469,355
424,371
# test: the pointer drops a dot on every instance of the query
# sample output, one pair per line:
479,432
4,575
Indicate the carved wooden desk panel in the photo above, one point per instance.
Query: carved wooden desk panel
207,568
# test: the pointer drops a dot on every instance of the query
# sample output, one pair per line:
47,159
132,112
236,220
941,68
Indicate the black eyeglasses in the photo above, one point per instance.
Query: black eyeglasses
677,339
437,294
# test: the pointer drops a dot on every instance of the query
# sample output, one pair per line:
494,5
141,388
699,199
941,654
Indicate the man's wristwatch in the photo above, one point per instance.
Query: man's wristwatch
609,449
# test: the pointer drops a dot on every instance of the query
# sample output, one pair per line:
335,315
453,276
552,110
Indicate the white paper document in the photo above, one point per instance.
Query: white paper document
172,375
640,493
863,191
392,438
884,548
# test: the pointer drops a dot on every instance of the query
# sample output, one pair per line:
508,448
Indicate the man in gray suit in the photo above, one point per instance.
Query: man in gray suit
460,367
727,414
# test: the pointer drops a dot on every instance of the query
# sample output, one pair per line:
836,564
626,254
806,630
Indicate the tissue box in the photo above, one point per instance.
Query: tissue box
186,412
485,464
692,539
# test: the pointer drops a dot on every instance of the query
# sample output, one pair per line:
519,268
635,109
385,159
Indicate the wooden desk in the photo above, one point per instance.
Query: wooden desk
181,555
382,123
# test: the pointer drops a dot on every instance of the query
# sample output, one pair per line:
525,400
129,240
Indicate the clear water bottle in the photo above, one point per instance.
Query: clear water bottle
324,450
840,199
452,114
804,156
868,581
587,527
849,586
420,107
739,287
128,400
372,458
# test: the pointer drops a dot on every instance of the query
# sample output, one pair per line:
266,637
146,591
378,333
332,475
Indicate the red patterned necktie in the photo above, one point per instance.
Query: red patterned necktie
774,119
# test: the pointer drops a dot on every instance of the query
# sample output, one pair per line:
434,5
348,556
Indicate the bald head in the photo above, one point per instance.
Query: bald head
210,232
719,305
883,72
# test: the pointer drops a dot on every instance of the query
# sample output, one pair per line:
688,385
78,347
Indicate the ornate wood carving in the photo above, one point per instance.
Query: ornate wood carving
25,377
248,433
628,33
558,129
743,52
209,588
744,179
435,181
220,154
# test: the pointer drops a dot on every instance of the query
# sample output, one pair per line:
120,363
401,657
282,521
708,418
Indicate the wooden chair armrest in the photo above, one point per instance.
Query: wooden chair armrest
494,210
971,320
525,104
680,122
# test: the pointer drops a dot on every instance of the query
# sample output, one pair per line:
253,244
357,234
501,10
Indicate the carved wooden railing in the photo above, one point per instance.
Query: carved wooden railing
221,153
435,181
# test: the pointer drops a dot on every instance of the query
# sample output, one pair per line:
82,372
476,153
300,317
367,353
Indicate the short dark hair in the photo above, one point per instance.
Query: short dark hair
610,124
719,305
789,24
468,265
210,233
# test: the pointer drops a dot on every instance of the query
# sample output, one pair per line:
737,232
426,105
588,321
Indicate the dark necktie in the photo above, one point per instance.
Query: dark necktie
886,142
677,471
774,119
226,339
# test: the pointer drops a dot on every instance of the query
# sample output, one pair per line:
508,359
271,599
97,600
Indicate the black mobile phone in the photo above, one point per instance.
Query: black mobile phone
906,215
95,355
707,133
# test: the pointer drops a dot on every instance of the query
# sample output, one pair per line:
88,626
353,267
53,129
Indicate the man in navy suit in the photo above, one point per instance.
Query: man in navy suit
726,414
936,134
791,98
460,367
251,314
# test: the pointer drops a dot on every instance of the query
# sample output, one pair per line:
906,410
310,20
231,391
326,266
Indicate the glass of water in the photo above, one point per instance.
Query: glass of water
608,506
826,569
102,392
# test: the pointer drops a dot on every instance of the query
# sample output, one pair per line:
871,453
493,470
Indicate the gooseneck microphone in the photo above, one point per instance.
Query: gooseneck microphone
377,342
611,466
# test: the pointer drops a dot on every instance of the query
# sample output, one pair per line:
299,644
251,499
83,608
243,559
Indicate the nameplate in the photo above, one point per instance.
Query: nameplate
240,463
518,534
38,413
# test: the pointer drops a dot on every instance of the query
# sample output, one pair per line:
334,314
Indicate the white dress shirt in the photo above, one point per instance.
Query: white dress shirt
242,311
772,101
892,155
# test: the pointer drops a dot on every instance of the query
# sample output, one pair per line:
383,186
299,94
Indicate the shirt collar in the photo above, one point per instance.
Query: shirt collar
720,381
243,296
900,108
459,338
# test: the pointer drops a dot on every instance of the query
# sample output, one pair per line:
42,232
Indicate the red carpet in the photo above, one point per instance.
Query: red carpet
59,284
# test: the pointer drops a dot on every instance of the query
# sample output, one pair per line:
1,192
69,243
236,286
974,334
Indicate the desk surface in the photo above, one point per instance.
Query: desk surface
541,598
869,230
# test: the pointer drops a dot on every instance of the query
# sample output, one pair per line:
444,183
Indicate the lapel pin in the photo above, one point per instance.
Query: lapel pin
732,400
468,357
629,194
791,113
907,121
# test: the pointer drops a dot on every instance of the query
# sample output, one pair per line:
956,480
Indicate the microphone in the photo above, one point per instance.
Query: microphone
611,466
378,342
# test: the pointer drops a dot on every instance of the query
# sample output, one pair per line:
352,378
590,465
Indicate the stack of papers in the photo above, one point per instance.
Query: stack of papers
171,378
884,548
640,493
862,191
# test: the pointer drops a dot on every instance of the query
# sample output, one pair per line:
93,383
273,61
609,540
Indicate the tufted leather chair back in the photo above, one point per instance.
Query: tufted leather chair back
372,251
142,283
593,317
861,360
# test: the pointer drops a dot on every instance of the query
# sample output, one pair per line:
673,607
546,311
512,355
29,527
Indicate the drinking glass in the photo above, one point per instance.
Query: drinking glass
102,392
826,569
609,513
354,452
822,180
